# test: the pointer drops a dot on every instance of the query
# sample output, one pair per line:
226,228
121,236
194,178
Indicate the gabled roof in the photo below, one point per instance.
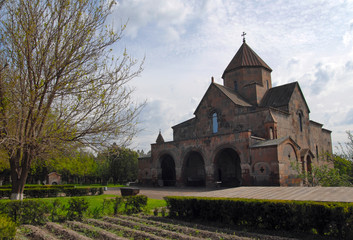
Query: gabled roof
185,123
273,142
229,93
306,151
245,57
270,118
233,95
280,96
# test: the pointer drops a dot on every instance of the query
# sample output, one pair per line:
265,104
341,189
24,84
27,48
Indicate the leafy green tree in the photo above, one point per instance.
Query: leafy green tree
75,164
60,82
344,166
4,161
336,171
122,164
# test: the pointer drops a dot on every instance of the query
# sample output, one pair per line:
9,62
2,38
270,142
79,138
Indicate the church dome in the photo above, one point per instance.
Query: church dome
245,57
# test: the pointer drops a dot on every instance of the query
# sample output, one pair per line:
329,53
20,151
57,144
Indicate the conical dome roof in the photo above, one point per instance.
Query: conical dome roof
245,57
159,139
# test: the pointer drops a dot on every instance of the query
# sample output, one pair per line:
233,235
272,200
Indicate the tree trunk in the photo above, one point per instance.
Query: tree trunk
18,184
19,173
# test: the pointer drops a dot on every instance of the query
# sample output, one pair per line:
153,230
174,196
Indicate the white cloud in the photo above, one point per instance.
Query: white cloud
187,42
145,15
348,35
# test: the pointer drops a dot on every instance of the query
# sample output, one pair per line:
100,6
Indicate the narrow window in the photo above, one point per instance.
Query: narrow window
271,133
300,122
317,153
214,123
235,85
267,84
308,165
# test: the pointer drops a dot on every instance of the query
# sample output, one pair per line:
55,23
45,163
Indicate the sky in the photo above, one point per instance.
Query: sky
186,42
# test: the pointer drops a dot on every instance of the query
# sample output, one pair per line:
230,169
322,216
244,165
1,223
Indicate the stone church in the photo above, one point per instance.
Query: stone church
243,133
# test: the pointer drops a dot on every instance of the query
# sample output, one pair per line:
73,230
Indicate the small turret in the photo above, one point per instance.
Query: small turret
160,138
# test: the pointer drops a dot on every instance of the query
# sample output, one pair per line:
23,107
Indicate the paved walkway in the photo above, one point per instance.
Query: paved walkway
336,194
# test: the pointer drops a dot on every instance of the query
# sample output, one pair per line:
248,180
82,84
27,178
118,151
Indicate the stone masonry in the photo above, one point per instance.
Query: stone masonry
244,133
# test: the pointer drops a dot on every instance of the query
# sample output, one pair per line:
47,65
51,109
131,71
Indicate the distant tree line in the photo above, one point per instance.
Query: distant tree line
114,164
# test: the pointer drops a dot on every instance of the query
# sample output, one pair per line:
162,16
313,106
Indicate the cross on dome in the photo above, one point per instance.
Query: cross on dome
243,35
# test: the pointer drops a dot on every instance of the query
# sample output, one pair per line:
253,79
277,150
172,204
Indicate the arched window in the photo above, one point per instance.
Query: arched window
214,123
235,85
271,133
300,122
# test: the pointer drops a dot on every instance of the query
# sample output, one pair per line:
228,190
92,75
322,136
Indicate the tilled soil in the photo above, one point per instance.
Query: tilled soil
136,227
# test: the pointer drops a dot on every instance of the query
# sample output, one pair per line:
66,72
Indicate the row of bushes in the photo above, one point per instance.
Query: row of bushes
38,212
7,227
39,186
54,192
324,218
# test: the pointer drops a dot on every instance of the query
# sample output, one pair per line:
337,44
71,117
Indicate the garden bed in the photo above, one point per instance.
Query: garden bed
134,227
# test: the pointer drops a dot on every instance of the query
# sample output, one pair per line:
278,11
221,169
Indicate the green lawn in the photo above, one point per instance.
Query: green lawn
97,203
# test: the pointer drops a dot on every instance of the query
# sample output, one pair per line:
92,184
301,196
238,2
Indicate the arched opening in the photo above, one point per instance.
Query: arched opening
227,168
168,170
194,170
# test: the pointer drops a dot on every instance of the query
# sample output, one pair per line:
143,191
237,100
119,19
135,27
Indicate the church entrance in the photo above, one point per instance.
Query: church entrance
168,170
227,168
194,170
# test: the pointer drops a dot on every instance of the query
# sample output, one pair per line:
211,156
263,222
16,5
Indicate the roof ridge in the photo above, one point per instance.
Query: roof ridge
231,91
291,83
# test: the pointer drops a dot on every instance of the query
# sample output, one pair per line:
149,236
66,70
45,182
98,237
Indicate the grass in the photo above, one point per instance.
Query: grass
154,203
96,203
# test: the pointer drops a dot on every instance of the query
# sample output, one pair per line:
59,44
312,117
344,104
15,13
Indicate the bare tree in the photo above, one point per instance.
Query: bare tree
345,149
62,83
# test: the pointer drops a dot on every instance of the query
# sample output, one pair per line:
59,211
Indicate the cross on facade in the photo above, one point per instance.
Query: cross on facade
243,35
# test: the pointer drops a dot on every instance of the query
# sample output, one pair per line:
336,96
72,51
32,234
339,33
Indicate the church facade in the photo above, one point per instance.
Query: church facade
243,133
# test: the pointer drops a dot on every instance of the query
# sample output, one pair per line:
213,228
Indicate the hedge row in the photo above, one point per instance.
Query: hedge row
7,227
40,186
54,192
324,218
37,211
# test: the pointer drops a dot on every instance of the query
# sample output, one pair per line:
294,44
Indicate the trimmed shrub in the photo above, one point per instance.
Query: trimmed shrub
93,191
7,227
74,192
135,204
127,205
26,211
76,208
57,211
45,191
325,218
5,193
41,192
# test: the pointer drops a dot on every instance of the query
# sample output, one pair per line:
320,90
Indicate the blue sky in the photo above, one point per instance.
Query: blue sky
187,42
